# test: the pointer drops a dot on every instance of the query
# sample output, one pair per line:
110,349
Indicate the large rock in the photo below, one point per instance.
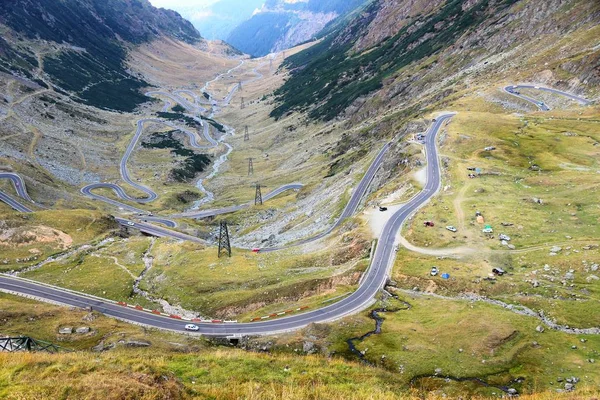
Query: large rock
82,330
137,343
308,347
569,387
67,330
89,317
102,347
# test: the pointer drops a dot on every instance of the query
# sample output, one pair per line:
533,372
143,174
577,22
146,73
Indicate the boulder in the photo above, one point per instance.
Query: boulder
308,347
83,330
137,343
102,347
65,331
555,249
89,317
569,387
570,276
539,329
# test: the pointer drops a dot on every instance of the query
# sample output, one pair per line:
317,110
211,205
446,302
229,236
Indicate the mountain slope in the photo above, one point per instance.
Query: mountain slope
215,20
280,24
397,47
88,41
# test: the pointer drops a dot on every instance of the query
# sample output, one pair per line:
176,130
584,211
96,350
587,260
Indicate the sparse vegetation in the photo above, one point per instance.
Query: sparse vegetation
193,162
332,77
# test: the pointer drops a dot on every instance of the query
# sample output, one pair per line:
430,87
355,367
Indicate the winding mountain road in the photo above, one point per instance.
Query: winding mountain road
124,171
514,91
352,205
227,210
372,282
21,190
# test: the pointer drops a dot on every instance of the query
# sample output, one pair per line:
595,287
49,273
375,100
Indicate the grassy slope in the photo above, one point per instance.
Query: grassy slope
465,340
82,226
180,367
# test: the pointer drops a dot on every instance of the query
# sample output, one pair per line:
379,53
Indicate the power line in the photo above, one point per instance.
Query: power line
258,197
224,243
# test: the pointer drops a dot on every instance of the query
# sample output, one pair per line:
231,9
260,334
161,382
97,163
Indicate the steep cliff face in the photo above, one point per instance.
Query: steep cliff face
87,41
281,24
403,51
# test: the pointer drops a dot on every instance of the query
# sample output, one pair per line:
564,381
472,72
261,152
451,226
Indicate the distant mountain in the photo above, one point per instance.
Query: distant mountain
281,24
92,39
217,20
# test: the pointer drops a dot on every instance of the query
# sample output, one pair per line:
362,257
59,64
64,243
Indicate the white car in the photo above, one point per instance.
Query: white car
130,223
192,327
504,237
434,271
451,228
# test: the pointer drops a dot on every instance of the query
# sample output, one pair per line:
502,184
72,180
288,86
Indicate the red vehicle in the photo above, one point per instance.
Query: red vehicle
255,250
429,223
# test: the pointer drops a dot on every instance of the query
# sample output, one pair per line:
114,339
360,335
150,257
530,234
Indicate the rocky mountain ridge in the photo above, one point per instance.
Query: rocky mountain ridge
83,45
401,52
280,25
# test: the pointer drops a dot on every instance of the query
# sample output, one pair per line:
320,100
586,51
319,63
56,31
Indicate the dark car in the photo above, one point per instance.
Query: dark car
382,208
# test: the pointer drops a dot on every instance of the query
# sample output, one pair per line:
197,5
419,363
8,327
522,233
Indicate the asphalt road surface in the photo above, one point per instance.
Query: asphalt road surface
226,210
372,282
514,90
352,205
21,190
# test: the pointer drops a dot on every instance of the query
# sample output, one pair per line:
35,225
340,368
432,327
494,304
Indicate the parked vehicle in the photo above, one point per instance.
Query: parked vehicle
498,271
504,237
429,223
434,271
451,228
382,208
255,250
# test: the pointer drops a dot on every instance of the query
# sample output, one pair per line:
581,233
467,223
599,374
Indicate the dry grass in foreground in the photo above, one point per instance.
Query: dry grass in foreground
220,374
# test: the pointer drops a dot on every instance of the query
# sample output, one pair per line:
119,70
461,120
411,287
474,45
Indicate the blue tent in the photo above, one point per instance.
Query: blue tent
446,275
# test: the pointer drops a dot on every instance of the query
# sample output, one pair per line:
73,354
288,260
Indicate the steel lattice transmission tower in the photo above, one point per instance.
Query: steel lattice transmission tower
242,105
240,85
246,134
258,197
250,166
224,243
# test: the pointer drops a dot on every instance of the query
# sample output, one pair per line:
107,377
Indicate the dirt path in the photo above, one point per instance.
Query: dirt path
124,268
460,214
456,252
37,135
